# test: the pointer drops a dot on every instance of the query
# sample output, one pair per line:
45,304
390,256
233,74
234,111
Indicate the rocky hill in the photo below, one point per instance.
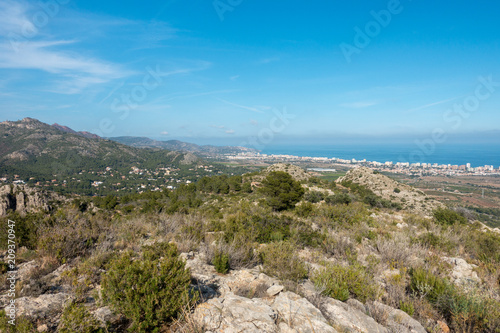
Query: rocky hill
296,172
410,198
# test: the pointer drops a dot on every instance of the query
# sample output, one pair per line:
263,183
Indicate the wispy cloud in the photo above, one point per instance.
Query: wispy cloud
431,104
241,106
358,105
268,60
71,72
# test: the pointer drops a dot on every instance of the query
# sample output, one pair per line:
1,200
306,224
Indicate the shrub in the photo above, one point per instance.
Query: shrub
407,307
470,313
22,324
221,262
305,209
345,215
314,196
425,284
342,282
485,246
281,190
448,217
341,198
397,190
147,291
77,319
280,260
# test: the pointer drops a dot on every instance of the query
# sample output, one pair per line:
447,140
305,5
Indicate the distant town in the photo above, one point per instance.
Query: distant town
422,169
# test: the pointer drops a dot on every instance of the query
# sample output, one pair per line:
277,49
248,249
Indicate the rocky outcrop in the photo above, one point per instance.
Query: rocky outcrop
462,272
395,320
350,318
45,308
24,199
410,198
296,172
236,314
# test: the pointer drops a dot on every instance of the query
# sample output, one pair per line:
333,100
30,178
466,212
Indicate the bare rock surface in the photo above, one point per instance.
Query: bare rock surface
350,318
236,314
396,320
298,313
462,272
24,199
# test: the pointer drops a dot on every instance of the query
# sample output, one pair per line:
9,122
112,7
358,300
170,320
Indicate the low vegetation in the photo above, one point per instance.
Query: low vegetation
349,242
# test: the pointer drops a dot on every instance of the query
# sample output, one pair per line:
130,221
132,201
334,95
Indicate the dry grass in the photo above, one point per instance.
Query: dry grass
399,251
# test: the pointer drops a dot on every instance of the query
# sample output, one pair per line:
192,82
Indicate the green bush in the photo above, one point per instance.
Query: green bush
221,262
345,215
470,313
304,209
342,282
77,319
22,324
314,196
147,291
341,198
407,307
448,217
281,190
280,260
425,284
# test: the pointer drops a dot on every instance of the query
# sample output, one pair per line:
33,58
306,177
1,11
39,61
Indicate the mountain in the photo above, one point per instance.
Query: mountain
69,130
32,148
206,150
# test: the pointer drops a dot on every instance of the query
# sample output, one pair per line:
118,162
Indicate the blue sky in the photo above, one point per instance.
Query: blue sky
224,71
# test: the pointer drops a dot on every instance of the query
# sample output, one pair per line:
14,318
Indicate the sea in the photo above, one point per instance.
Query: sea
454,154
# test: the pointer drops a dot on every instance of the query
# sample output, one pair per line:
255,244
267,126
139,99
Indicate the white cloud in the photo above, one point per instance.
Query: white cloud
164,133
230,131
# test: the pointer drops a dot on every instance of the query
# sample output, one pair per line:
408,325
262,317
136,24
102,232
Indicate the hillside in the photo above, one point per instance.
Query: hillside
408,197
206,150
218,256
39,152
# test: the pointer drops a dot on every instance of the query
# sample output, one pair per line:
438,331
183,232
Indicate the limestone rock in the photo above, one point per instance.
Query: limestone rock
462,273
350,318
23,199
45,308
397,320
235,314
274,290
298,313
